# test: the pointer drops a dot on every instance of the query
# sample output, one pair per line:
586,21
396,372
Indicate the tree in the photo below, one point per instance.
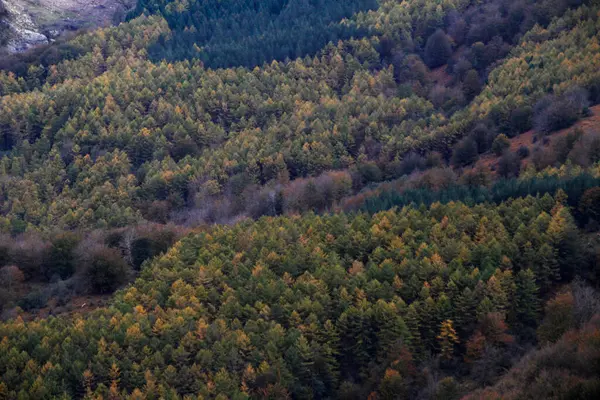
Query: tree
61,257
564,237
552,112
465,152
500,144
589,205
547,269
520,119
448,339
106,270
559,317
437,49
471,84
509,165
526,302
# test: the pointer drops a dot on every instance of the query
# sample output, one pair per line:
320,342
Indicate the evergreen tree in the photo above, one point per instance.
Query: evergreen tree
437,49
526,303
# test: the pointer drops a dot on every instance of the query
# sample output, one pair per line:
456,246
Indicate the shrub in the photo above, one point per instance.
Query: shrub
10,276
501,143
113,239
141,250
158,211
523,152
370,172
106,270
4,249
29,253
509,165
410,163
594,149
542,158
562,147
559,318
33,300
465,152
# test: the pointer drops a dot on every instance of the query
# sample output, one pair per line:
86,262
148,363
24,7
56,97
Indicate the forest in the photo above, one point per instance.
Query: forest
307,199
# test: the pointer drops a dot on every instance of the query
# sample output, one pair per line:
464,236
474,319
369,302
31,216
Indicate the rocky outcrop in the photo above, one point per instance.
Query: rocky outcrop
19,32
28,23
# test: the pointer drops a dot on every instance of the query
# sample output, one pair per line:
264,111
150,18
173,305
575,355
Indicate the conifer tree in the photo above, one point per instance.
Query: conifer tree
447,339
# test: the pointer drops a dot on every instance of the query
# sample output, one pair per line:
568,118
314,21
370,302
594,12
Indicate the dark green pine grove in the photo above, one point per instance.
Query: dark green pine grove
250,33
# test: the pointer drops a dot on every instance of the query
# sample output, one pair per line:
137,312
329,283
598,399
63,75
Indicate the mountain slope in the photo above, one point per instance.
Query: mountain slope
183,141
435,298
308,306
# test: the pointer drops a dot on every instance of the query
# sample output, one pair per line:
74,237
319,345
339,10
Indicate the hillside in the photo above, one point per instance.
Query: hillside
202,145
313,199
312,307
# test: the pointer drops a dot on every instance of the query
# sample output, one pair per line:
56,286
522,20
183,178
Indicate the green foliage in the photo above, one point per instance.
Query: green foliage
526,304
102,137
500,191
500,144
233,33
106,270
61,257
33,300
437,49
93,134
297,305
471,84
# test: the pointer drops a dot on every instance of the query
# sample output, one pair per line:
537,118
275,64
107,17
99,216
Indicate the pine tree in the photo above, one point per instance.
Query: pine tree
526,302
447,339
437,49
413,325
547,268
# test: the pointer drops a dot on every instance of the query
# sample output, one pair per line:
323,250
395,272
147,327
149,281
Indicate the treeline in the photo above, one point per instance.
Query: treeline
316,306
249,33
500,191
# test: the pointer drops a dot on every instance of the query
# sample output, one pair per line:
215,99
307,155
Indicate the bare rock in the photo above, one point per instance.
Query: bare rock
24,22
